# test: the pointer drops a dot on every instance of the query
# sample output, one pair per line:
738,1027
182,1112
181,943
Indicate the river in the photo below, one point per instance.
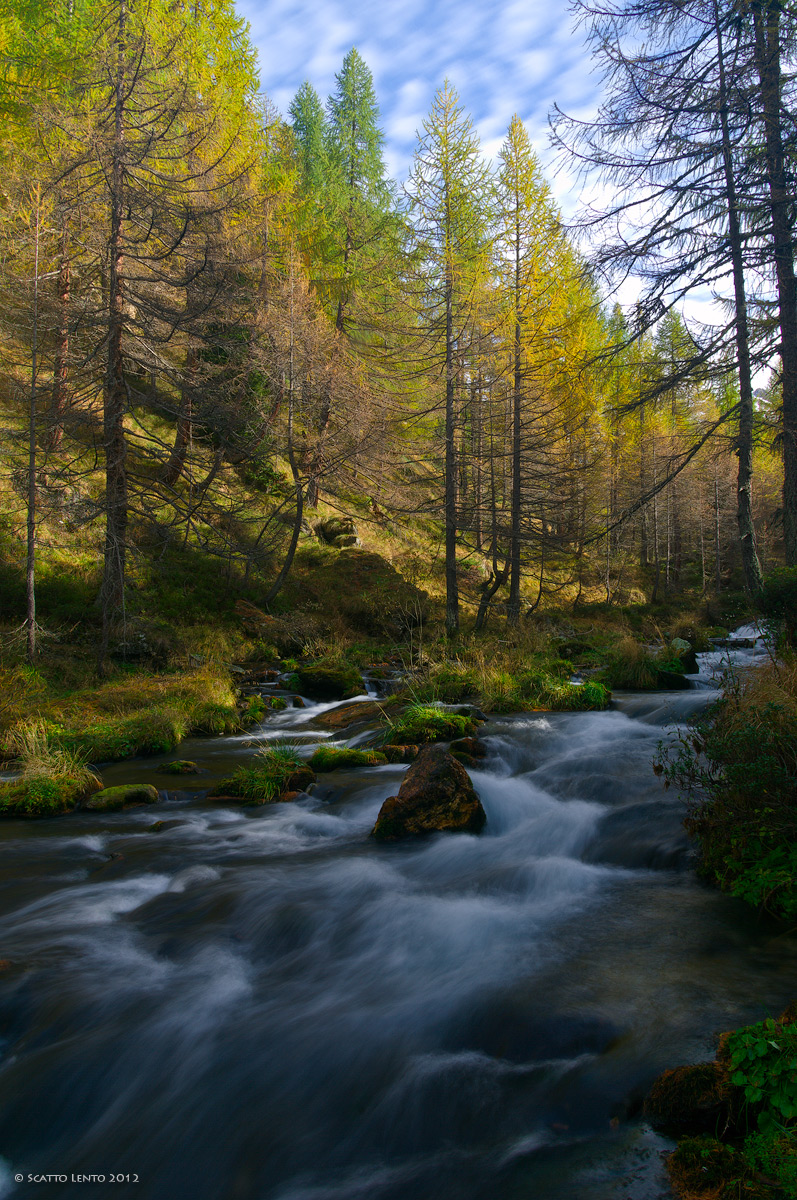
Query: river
263,1004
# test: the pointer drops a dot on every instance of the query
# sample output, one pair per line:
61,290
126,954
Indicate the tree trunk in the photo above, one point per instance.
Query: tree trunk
513,607
452,587
113,581
31,514
744,439
185,419
60,363
766,17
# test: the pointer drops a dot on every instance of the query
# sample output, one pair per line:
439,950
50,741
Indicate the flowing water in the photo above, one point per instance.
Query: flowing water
266,1005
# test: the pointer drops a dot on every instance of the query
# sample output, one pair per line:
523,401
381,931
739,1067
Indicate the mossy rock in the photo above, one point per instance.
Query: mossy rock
334,528
180,766
425,723
125,796
336,758
329,683
400,754
692,1100
44,796
436,796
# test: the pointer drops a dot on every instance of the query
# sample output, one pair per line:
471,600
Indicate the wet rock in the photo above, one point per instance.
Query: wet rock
469,751
155,828
349,714
300,781
473,747
671,681
126,796
436,795
686,655
400,754
692,1100
298,702
181,766
330,683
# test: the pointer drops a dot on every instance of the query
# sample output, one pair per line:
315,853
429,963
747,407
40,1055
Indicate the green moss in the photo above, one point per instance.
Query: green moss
425,723
334,758
329,683
40,797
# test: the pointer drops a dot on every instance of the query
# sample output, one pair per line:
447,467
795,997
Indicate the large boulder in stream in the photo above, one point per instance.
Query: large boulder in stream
436,796
330,683
126,796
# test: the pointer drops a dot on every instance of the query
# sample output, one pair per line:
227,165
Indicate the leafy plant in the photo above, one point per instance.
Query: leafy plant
763,1062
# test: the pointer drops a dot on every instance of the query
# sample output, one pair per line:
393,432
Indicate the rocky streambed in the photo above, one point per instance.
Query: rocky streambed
269,1003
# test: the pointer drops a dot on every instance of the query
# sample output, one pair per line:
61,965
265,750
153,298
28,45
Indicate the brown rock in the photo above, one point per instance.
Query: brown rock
347,714
299,781
400,754
471,746
436,795
692,1100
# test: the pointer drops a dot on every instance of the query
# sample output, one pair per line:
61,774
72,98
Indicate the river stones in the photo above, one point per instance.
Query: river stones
126,796
181,766
436,796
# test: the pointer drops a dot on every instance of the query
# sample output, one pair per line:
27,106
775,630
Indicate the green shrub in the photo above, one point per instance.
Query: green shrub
334,758
449,682
763,1062
255,710
213,720
774,1155
737,766
778,601
630,665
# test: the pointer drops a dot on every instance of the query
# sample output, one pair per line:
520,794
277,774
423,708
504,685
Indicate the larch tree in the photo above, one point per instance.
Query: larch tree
528,257
450,198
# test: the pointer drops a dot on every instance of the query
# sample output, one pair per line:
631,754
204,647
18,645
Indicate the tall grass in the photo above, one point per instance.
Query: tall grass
266,777
53,778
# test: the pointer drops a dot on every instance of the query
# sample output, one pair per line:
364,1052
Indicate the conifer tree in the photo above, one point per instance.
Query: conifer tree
449,190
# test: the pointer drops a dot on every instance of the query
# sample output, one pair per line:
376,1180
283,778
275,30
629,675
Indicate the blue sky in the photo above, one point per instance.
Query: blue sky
503,57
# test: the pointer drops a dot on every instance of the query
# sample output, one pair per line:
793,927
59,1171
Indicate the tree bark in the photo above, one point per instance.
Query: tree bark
116,498
766,18
452,586
744,438
60,363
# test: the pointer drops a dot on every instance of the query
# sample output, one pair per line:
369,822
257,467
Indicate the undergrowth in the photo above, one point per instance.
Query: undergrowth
53,778
737,766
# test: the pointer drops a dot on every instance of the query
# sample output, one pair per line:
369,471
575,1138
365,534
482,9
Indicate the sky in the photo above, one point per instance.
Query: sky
503,57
